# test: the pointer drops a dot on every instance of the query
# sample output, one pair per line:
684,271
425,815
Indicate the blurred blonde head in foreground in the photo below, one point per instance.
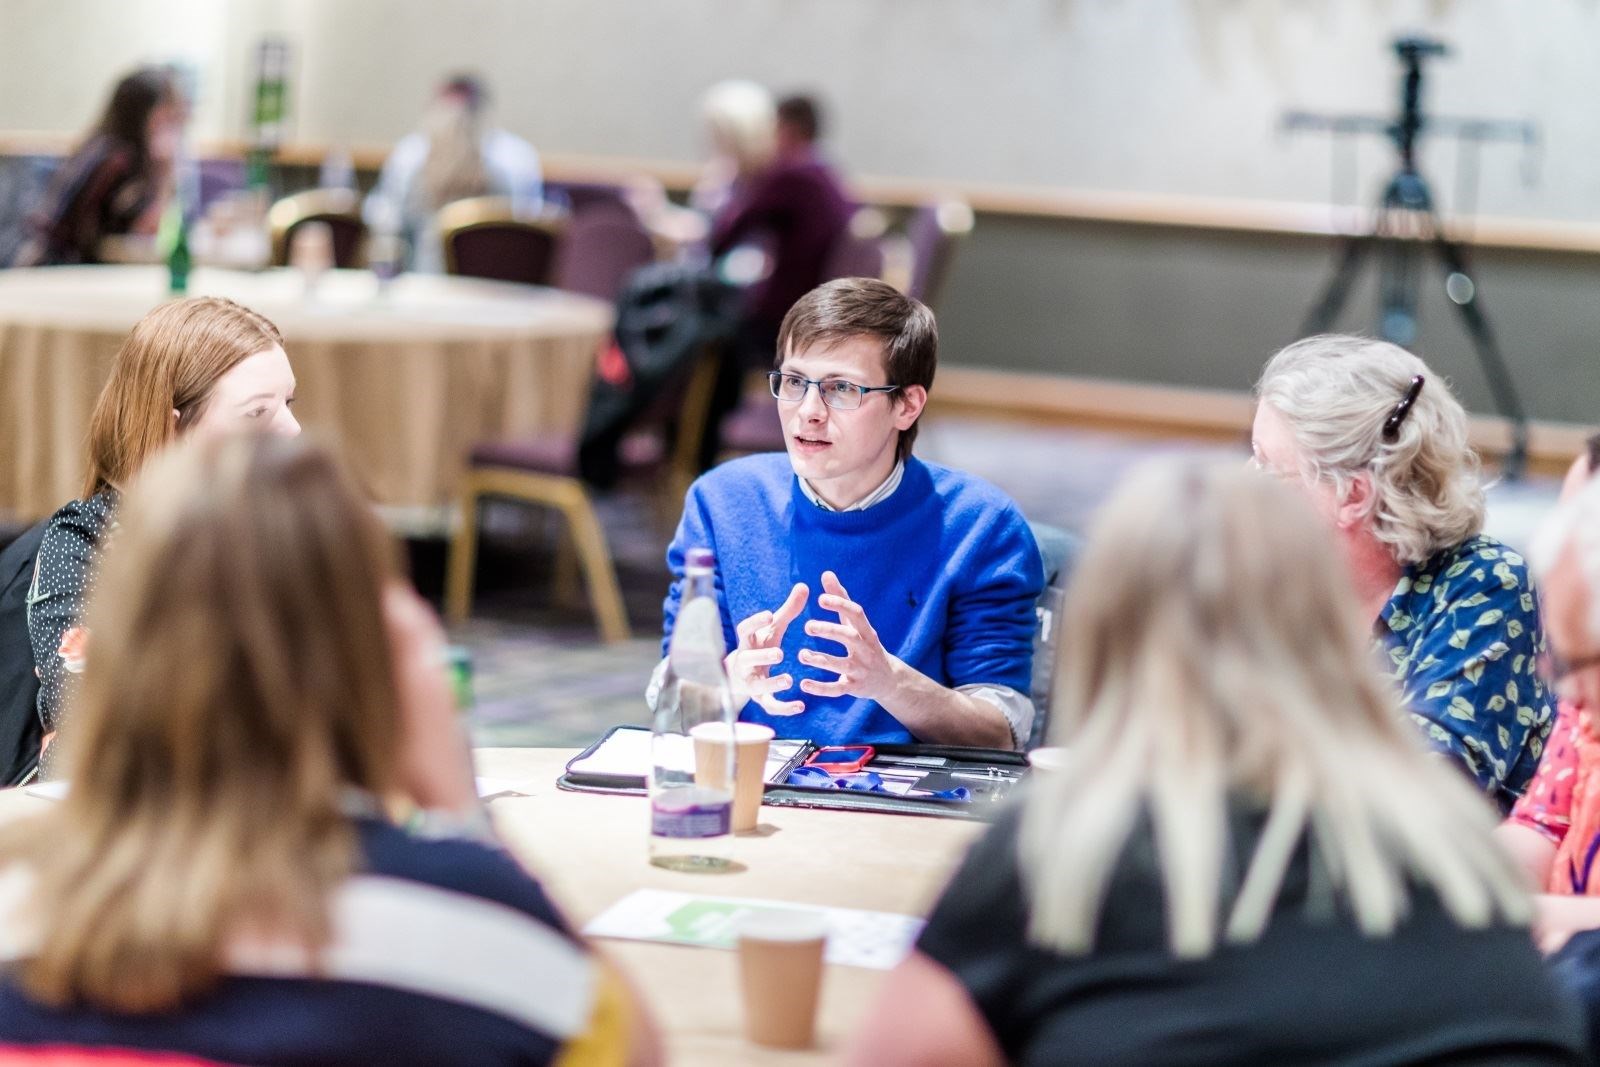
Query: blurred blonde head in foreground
239,685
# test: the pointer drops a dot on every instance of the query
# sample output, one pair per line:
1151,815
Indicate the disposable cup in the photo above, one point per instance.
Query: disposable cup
780,974
750,741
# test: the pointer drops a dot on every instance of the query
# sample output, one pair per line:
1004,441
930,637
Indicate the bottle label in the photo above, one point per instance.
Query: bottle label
673,817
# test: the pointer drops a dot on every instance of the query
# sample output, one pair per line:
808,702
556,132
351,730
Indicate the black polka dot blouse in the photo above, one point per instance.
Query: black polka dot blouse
62,581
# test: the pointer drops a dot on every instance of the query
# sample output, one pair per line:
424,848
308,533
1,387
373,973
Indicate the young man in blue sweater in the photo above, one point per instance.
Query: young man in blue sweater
868,596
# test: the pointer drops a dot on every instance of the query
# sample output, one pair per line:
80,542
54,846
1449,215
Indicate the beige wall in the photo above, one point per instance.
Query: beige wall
1175,96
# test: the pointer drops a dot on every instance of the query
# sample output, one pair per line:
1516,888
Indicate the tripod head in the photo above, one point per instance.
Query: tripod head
1412,51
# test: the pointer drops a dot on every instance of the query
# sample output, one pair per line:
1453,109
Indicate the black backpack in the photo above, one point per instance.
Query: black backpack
667,314
21,732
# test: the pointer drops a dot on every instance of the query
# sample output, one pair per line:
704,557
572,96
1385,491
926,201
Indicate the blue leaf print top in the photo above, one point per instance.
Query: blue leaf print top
1461,638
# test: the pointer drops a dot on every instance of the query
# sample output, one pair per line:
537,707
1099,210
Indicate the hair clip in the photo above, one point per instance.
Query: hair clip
1391,425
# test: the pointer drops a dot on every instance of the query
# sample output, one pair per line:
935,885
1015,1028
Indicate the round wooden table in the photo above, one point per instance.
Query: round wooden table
405,379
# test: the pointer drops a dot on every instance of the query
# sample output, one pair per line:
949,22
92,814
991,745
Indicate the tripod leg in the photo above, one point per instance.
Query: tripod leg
1352,254
1463,292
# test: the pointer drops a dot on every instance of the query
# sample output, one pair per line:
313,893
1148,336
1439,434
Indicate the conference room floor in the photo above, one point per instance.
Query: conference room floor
542,678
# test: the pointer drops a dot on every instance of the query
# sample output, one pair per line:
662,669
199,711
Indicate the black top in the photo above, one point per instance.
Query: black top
65,575
1312,990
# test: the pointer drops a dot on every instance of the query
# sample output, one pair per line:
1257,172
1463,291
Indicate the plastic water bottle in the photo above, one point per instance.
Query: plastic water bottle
691,824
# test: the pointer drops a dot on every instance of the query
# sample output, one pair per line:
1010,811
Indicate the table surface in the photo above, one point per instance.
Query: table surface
589,850
345,304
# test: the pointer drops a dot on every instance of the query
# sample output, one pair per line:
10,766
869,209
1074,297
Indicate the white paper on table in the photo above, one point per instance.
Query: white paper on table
626,752
856,938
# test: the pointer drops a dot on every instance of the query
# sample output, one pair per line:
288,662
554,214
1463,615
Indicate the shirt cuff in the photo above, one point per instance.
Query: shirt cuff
1016,707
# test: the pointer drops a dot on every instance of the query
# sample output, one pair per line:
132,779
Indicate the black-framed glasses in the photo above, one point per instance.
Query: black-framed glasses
1391,425
836,392
1555,669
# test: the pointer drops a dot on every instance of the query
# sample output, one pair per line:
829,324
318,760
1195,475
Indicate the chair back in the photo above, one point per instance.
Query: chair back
933,230
858,251
24,183
580,196
603,244
339,208
484,237
1058,552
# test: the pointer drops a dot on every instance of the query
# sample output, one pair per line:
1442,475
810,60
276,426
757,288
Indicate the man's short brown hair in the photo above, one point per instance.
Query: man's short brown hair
838,310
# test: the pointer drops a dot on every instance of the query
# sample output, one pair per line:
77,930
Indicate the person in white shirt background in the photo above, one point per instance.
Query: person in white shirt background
456,154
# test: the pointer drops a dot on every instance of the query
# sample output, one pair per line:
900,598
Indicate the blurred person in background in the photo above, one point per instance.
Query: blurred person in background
119,181
1376,441
198,367
795,209
456,154
272,851
1248,857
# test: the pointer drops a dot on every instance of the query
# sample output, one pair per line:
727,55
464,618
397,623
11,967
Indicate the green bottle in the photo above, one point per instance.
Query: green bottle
179,261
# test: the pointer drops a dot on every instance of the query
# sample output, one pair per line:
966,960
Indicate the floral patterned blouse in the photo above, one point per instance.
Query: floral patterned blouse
1563,803
1462,639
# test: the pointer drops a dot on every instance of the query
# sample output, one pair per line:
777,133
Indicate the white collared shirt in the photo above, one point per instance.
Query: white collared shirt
884,491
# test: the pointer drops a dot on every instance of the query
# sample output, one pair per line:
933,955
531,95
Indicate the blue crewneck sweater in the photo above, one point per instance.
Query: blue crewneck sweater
945,568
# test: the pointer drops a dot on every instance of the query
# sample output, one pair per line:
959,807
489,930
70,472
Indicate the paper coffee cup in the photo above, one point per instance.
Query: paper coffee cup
780,973
750,763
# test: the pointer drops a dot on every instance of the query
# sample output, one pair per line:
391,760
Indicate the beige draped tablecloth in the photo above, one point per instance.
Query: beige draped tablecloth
406,379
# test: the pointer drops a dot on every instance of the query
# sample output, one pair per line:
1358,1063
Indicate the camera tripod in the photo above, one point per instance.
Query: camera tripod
1406,225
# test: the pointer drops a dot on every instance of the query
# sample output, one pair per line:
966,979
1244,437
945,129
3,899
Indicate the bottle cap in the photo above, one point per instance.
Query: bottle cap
700,557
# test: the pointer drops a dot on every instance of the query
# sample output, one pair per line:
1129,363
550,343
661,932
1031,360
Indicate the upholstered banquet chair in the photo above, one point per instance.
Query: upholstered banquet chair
339,208
484,237
657,457
602,245
933,230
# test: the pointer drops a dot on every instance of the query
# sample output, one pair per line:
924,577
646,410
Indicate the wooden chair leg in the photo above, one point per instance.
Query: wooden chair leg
598,569
564,568
463,556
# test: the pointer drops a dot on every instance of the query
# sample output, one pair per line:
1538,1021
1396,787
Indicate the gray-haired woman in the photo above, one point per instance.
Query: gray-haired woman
1376,441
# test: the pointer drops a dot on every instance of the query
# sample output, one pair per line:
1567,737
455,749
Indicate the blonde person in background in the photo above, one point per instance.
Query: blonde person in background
1373,438
1248,857
201,367
225,880
456,154
740,123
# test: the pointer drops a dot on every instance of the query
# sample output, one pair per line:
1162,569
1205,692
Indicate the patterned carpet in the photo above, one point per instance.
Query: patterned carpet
542,678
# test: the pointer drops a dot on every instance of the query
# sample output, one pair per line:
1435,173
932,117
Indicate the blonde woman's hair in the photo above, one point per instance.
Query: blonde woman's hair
743,119
171,361
1215,659
453,169
239,684
1335,392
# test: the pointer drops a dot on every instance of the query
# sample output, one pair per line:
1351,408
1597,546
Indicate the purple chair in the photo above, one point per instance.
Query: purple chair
602,245
580,196
933,230
484,237
859,251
